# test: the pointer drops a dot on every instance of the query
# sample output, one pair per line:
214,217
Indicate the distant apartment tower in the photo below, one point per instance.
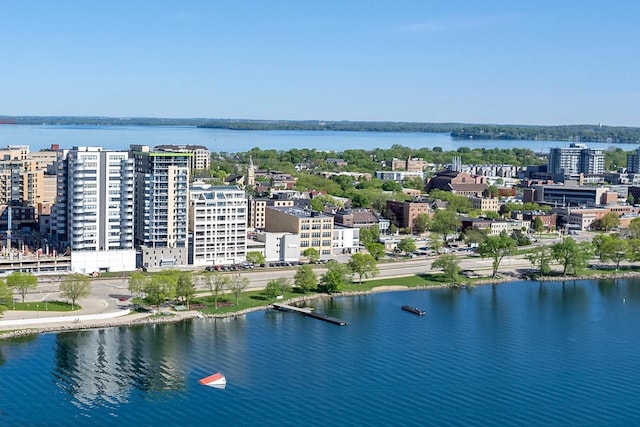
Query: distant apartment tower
218,225
161,205
575,160
633,161
20,182
315,229
200,156
22,175
94,209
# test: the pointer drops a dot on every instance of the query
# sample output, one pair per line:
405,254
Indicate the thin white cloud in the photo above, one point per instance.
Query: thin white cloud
457,24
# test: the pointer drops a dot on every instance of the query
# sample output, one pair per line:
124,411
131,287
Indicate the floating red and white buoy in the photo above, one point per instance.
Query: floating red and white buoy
216,380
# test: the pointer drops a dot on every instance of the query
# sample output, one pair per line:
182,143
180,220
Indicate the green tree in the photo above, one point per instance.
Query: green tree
634,250
6,296
216,283
445,222
375,233
237,285
520,238
364,265
161,287
616,250
137,282
376,250
255,258
312,254
393,229
538,225
22,282
276,287
634,228
365,236
305,279
492,215
609,221
185,288
450,265
74,287
407,245
335,277
421,223
571,255
391,186
497,247
541,258
474,235
630,199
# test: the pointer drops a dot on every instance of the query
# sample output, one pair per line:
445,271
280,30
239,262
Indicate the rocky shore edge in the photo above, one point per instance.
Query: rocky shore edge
304,298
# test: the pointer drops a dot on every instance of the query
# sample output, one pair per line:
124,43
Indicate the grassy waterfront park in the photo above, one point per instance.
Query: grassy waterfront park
179,294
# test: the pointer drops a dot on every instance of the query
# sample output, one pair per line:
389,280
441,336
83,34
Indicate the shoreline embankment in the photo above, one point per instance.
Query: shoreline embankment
127,321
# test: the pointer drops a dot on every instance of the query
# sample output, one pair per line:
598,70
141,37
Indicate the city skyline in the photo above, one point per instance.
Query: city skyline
542,63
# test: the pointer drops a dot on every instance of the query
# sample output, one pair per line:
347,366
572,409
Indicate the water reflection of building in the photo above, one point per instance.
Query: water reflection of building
110,364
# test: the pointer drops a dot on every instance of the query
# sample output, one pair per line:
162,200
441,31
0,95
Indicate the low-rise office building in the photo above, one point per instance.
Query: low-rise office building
315,229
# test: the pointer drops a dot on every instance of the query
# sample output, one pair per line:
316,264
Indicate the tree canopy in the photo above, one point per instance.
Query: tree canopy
450,265
22,282
571,255
364,265
74,287
445,222
497,247
407,245
335,277
305,278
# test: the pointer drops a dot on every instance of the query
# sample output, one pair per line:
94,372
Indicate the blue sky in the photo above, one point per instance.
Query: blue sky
522,62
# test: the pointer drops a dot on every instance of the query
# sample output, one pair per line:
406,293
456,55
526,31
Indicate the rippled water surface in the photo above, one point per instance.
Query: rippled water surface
517,354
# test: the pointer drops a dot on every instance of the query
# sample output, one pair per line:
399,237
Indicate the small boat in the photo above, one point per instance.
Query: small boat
414,310
216,380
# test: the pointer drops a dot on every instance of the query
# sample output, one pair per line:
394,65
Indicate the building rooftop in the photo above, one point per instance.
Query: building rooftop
300,213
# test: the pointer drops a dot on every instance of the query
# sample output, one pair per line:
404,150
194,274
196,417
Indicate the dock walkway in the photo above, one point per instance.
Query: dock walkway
309,313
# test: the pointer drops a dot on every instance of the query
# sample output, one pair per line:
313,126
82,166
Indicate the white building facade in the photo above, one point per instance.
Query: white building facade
280,246
94,209
217,224
346,240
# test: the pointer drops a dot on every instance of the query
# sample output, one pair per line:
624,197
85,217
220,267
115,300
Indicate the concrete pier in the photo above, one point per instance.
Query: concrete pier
309,313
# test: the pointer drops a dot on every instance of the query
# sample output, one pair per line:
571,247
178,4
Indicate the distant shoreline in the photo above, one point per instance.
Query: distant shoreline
567,133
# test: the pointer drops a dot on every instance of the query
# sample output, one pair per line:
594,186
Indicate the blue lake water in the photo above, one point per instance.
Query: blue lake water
217,140
523,353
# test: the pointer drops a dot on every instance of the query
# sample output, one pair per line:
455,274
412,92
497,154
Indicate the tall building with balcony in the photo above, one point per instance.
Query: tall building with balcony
161,206
200,155
217,224
633,161
93,215
575,159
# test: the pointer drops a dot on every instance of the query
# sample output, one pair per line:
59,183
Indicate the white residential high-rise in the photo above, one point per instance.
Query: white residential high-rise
575,159
218,224
161,206
94,209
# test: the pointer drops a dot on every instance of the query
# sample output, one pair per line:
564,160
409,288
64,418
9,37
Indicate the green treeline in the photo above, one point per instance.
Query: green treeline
360,160
576,133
